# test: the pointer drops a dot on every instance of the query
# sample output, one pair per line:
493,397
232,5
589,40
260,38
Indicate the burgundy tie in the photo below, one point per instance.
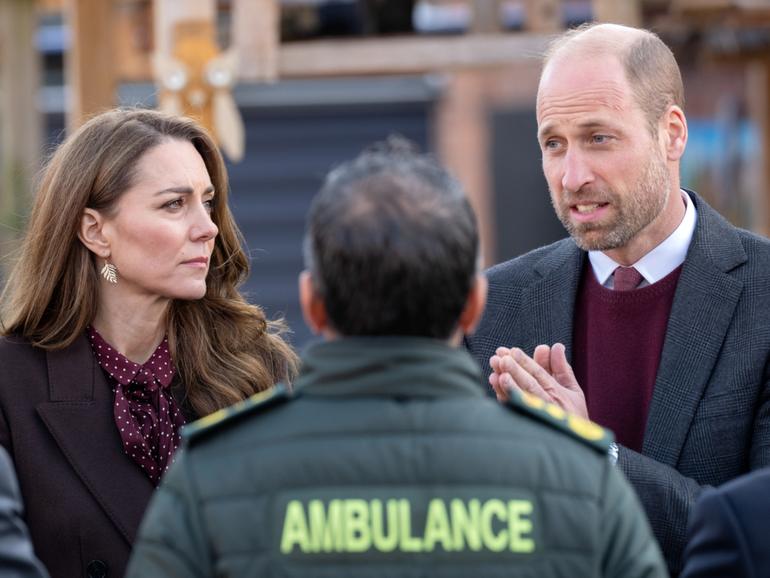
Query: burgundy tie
626,278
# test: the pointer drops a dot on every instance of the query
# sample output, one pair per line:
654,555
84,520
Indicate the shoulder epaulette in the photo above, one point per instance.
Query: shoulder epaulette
257,403
584,430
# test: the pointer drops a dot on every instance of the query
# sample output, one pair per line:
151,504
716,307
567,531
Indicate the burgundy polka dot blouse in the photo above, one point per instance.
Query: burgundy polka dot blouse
146,415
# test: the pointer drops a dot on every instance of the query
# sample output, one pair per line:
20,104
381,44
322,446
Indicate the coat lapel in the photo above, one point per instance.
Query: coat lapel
549,303
703,307
79,417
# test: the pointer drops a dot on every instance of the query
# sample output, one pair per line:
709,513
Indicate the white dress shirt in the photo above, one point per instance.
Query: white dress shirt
657,263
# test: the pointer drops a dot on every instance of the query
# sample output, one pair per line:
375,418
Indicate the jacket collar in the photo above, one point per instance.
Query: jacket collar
79,416
388,367
548,318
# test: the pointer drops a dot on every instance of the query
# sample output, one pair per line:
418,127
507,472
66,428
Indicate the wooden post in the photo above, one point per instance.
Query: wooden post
185,35
758,100
544,16
194,76
628,12
168,13
90,66
463,145
486,16
256,36
20,122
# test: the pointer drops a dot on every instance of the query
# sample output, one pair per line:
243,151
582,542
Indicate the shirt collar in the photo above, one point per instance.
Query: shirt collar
659,262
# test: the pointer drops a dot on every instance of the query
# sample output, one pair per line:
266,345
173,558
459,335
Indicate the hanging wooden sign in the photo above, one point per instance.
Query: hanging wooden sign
196,79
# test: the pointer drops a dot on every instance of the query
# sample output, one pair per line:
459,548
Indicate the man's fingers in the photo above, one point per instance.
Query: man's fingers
526,377
542,356
500,392
532,368
561,369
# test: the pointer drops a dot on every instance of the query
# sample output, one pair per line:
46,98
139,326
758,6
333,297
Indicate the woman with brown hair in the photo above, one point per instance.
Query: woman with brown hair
122,320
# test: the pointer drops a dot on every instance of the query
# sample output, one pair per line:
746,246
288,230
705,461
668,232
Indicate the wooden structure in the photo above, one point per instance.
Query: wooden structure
254,35
113,41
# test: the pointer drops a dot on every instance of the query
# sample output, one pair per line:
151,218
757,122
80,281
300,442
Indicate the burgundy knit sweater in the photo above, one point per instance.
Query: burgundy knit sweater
618,340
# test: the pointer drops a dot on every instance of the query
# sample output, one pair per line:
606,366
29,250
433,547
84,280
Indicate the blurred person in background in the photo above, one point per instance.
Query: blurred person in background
16,557
389,460
122,320
729,529
652,318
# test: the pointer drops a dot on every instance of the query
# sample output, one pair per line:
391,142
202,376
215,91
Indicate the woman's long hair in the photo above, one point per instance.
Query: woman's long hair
224,348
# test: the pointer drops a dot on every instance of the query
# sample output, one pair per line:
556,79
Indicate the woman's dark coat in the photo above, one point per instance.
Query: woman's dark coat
84,497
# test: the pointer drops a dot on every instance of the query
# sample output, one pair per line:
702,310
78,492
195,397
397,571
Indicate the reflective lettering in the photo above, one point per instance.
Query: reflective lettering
359,525
518,525
466,524
382,541
358,536
326,527
490,509
437,527
294,528
408,543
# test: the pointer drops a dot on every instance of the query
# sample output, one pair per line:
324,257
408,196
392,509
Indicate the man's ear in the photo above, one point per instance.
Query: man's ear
674,132
91,234
313,308
474,305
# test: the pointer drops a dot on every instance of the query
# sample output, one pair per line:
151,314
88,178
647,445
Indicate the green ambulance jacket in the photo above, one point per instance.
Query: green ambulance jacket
389,460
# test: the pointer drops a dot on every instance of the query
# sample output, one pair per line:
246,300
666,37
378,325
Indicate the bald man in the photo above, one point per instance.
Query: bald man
653,317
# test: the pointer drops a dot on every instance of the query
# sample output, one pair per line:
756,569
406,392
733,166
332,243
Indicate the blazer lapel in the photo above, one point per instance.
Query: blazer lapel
703,307
79,417
549,303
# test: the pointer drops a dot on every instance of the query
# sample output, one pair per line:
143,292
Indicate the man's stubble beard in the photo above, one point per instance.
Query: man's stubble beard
634,211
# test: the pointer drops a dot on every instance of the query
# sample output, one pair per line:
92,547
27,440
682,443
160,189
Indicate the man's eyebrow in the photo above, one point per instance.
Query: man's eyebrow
588,124
595,123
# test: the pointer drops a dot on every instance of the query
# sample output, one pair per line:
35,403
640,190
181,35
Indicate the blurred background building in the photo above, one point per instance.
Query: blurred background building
292,87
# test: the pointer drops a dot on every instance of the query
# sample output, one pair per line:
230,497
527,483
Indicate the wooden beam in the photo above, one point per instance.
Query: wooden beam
702,4
20,121
89,64
628,12
406,55
394,55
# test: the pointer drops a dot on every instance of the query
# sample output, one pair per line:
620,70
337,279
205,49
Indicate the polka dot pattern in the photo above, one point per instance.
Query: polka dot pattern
146,414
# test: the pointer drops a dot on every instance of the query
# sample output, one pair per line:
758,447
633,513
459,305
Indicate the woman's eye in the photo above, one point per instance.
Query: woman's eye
209,205
175,204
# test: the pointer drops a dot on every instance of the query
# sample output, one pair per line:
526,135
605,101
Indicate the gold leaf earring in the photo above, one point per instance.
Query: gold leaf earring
110,272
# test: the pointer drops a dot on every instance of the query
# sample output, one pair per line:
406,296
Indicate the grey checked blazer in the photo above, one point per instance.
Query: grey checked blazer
709,419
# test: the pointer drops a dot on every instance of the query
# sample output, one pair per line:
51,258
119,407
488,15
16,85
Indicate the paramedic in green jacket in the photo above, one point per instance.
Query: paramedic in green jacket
386,459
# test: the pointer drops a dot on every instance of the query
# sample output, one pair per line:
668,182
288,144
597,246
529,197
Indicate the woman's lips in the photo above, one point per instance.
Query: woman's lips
197,262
